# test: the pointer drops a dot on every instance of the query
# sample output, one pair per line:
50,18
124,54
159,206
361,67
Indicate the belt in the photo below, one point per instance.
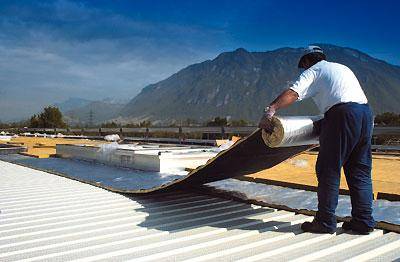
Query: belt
339,104
342,103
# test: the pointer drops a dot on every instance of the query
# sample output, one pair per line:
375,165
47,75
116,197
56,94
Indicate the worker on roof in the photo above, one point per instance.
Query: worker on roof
345,139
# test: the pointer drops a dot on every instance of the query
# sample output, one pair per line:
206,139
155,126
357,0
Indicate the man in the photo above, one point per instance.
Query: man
345,139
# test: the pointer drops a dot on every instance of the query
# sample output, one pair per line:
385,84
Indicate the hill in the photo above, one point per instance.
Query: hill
72,103
93,111
240,83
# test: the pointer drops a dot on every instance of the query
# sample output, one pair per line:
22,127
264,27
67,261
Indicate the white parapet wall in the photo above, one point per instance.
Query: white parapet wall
143,157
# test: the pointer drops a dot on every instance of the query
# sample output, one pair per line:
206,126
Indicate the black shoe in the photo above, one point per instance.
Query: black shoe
357,228
346,226
315,227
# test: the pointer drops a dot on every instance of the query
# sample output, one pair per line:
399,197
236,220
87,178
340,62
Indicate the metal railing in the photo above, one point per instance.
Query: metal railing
186,135
178,130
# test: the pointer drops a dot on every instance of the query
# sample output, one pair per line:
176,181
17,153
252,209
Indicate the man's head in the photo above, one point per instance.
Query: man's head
312,55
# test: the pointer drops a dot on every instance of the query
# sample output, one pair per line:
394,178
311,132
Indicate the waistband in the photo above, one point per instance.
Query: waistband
342,104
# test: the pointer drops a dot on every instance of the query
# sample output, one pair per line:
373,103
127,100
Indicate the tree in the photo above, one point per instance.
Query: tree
145,123
218,121
190,122
130,125
34,122
388,119
4,125
109,125
19,124
50,117
240,122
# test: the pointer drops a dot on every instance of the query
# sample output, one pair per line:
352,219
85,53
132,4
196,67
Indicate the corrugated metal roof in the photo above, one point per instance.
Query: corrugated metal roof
46,217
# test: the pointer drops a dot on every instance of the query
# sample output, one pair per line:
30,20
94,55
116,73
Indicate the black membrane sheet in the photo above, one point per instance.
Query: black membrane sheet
247,156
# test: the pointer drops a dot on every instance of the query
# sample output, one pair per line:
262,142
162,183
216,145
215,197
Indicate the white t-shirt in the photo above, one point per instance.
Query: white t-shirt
329,84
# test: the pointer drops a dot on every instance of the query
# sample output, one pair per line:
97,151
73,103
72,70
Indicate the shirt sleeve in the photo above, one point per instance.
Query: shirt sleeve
304,84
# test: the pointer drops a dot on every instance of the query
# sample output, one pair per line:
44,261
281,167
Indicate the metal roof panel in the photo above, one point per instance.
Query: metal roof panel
47,217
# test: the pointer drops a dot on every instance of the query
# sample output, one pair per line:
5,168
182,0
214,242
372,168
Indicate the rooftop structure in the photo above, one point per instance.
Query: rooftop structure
146,157
47,217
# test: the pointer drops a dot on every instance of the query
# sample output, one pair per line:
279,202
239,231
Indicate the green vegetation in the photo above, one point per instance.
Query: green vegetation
388,119
223,121
190,122
5,125
11,125
145,124
116,125
50,117
218,121
240,122
110,125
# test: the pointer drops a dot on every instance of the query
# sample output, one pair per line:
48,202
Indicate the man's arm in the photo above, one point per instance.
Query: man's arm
298,91
285,99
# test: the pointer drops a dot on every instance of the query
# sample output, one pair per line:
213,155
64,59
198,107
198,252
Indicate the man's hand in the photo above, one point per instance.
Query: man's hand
285,99
265,122
269,112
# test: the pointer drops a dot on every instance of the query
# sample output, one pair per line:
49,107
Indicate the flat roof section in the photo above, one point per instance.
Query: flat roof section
299,172
47,217
6,149
42,147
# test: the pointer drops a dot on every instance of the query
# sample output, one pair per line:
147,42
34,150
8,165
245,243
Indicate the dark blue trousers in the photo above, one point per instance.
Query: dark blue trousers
345,141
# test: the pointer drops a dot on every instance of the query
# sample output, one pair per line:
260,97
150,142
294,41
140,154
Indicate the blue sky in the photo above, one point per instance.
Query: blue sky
52,50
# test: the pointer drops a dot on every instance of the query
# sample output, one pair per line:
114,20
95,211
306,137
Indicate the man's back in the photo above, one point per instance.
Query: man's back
329,84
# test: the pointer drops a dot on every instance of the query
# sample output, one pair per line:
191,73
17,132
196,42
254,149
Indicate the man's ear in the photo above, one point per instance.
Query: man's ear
306,63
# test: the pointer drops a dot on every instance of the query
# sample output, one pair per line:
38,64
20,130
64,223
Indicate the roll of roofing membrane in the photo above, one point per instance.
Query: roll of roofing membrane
292,131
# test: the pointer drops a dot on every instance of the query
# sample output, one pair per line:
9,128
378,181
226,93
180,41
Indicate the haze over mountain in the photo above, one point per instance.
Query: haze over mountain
240,84
82,111
72,103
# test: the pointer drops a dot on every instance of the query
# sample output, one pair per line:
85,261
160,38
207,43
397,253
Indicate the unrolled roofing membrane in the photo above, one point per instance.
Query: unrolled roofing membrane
246,156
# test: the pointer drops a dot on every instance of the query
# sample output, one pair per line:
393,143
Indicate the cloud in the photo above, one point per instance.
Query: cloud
50,51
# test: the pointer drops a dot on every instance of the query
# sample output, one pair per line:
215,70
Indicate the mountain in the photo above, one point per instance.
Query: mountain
94,112
241,83
72,103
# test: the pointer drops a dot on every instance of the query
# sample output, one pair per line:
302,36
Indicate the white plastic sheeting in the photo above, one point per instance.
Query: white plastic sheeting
383,210
5,138
292,131
112,138
106,150
107,176
145,157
